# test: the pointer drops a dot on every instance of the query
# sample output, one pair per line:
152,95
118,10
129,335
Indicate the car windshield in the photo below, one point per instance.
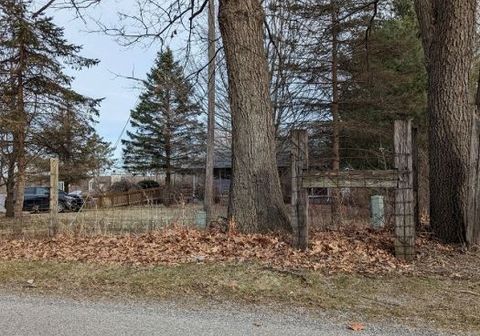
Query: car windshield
37,191
30,191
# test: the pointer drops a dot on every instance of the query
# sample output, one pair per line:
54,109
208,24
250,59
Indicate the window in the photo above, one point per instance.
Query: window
30,191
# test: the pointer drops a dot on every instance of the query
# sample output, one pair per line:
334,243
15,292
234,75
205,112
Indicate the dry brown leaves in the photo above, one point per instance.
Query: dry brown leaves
356,326
354,251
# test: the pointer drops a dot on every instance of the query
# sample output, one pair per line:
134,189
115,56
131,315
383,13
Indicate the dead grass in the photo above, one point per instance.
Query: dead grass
135,219
140,219
446,303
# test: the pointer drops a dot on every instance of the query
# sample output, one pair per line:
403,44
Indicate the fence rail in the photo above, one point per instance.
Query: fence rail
401,180
351,179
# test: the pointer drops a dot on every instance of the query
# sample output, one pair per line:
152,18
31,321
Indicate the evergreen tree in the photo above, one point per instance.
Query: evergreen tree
33,54
70,135
391,86
167,133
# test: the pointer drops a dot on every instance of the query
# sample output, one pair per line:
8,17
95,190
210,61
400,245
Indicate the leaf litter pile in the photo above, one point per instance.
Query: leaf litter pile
360,251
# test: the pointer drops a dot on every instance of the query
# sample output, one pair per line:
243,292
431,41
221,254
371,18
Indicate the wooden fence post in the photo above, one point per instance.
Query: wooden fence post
404,198
53,197
299,201
415,171
473,209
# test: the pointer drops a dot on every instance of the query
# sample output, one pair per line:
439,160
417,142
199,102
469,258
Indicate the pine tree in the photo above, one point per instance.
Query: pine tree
33,54
392,86
70,135
167,133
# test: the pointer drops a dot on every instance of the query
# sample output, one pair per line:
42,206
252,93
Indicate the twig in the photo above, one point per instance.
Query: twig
468,292
381,302
292,273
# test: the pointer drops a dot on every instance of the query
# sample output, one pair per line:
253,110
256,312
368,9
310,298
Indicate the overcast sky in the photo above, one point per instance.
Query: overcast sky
120,94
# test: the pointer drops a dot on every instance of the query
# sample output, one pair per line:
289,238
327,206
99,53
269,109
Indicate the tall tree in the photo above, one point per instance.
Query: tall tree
324,32
256,202
210,158
447,29
167,133
335,33
392,86
69,134
33,55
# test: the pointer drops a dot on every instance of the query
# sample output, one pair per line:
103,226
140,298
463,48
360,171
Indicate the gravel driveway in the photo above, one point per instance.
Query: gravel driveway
23,315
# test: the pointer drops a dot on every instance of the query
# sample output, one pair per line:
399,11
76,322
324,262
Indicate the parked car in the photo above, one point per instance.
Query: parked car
38,199
77,200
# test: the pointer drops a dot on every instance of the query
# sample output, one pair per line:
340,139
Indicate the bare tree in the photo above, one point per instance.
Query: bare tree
256,201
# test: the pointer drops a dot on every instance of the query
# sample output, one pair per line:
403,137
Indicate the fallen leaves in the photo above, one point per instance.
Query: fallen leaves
30,284
356,326
355,251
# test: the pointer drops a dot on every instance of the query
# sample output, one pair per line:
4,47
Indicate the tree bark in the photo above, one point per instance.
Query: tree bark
256,202
477,95
168,153
19,137
424,11
209,164
336,202
10,186
447,29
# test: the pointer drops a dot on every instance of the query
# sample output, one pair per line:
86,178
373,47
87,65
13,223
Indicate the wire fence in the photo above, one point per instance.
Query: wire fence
107,221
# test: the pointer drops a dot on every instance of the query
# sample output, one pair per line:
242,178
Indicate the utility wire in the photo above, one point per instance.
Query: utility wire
121,133
124,128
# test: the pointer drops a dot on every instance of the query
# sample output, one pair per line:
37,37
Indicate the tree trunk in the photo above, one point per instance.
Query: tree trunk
10,186
168,153
20,129
21,171
477,95
168,175
209,164
447,29
19,149
336,202
256,202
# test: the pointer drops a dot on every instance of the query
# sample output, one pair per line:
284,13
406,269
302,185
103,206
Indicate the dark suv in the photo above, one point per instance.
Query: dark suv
38,199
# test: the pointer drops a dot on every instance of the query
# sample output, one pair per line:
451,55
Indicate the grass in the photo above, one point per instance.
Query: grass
440,301
139,219
136,219
445,303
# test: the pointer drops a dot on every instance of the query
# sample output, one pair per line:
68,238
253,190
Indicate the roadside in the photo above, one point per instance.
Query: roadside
22,316
433,303
350,272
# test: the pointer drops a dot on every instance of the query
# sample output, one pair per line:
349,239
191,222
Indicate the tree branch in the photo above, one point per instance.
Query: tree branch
424,10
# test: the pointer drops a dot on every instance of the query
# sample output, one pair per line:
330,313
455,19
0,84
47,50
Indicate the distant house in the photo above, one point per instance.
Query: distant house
222,171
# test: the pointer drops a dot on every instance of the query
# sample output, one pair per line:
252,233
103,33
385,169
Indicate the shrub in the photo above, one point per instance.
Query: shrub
148,184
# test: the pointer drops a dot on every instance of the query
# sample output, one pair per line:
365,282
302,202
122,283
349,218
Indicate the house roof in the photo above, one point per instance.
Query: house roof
223,159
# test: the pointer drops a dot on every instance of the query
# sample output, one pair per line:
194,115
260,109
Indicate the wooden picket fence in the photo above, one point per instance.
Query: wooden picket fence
142,197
